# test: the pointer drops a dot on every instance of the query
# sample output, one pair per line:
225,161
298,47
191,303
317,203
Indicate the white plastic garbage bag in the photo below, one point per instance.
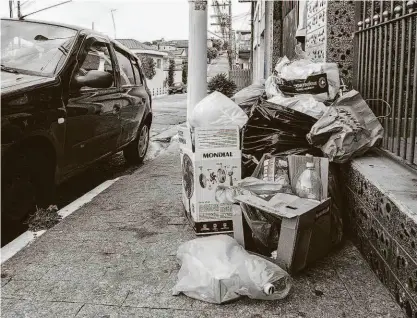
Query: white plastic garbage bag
304,103
271,87
217,269
252,91
306,77
217,110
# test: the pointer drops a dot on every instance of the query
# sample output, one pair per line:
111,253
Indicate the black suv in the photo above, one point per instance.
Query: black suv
69,96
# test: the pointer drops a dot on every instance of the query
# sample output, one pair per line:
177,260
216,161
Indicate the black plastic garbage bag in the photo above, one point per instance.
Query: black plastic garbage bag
272,129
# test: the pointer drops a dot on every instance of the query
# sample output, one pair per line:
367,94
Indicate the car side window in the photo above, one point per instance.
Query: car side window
126,70
98,59
137,72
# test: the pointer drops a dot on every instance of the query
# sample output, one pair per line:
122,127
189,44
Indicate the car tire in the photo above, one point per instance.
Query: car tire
27,184
135,152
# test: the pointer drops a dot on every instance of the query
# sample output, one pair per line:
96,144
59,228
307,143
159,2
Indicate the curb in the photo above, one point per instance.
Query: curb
28,237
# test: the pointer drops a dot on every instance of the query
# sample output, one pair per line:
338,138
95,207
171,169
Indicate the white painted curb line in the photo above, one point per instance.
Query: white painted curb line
26,238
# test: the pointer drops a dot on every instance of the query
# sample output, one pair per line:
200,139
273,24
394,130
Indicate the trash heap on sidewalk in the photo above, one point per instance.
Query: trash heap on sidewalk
264,165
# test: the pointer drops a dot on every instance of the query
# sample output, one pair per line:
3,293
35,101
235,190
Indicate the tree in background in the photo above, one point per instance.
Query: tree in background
147,43
222,84
171,71
211,53
217,44
184,72
148,65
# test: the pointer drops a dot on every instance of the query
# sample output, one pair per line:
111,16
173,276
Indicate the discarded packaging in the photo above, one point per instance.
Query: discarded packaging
273,128
298,229
304,103
306,77
217,269
347,129
209,168
217,110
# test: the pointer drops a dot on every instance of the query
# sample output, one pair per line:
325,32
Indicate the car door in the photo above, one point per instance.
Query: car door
93,124
134,96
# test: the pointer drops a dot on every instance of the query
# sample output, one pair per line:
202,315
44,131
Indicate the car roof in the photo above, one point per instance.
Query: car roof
76,28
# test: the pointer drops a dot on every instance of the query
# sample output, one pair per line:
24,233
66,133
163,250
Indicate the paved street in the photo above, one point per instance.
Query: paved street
115,257
168,112
218,66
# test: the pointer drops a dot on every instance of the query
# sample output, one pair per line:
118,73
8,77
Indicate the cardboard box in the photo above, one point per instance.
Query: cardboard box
305,225
302,239
210,161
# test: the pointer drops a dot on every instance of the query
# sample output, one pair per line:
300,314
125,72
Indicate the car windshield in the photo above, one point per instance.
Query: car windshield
34,48
177,84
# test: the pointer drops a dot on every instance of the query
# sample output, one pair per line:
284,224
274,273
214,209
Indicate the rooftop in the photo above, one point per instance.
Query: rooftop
135,44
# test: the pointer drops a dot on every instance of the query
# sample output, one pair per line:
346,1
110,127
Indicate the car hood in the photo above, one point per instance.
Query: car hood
12,82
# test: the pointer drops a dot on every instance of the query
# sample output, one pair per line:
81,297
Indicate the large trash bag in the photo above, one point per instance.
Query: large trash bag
304,103
303,76
272,129
347,129
251,92
217,269
217,109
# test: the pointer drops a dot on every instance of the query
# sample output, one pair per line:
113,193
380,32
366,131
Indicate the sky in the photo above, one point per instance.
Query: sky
143,20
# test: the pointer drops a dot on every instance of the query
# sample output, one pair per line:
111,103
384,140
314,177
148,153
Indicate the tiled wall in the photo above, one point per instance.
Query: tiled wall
340,28
330,25
386,237
316,33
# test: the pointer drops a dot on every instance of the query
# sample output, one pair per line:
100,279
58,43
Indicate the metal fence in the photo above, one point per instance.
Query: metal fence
242,78
387,70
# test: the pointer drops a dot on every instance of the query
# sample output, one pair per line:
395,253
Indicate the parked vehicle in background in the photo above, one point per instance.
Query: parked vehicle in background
70,96
177,88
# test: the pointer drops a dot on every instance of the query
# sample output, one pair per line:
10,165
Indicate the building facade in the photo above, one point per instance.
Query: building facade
157,83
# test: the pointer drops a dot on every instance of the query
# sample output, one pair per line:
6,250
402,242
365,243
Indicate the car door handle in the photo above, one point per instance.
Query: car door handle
116,108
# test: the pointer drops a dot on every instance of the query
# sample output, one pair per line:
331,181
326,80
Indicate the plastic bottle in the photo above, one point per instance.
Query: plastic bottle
309,183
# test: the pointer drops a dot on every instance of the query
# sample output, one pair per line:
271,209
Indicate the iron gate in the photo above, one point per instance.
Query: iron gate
387,70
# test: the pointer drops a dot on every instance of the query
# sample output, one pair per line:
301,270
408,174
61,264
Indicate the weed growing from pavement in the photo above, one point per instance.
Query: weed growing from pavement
43,219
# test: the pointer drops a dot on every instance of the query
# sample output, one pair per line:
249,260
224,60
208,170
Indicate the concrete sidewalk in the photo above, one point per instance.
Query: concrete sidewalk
115,257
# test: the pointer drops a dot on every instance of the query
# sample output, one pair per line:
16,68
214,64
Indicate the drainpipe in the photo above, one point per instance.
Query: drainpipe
268,38
252,9
197,61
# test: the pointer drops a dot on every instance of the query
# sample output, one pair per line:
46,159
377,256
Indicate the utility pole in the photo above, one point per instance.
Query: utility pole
230,35
11,8
19,13
92,25
197,60
114,23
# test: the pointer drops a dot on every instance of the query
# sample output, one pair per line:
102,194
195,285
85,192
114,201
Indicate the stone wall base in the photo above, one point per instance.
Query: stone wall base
381,201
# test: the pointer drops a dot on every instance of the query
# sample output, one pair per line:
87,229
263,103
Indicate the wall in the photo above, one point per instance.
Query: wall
382,222
330,25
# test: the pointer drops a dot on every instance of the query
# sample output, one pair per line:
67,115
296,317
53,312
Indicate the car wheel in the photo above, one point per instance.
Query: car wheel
135,152
27,183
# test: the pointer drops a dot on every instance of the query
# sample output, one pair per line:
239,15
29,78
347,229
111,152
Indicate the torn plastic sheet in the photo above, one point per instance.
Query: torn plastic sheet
217,269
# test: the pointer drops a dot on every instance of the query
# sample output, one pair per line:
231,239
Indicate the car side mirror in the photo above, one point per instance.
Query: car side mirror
94,79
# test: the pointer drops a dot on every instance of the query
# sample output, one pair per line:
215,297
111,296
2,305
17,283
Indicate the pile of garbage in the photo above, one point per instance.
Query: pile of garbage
283,202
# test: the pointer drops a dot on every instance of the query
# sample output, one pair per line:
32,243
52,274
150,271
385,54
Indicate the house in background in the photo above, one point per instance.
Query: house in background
243,48
157,83
173,45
